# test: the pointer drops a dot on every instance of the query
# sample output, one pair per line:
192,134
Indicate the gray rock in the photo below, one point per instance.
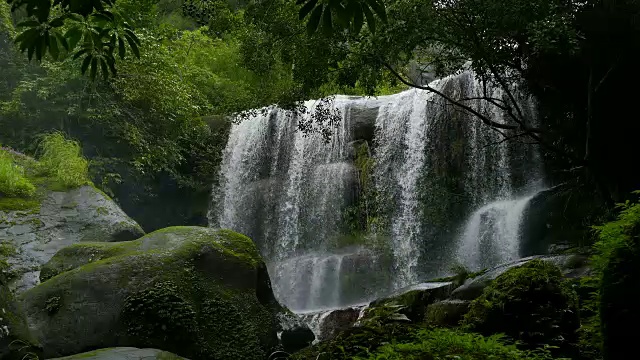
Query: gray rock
447,312
124,353
294,333
64,218
197,292
337,321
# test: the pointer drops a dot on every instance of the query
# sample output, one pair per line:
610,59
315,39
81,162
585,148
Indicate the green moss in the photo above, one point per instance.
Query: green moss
102,211
531,303
16,342
18,204
160,317
53,304
181,240
179,297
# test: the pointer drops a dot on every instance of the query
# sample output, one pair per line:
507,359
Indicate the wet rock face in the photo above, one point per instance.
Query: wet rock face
63,219
295,334
337,321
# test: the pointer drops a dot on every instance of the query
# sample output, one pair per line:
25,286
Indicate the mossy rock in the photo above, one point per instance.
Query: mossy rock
59,220
124,353
446,313
198,292
16,341
167,239
414,300
531,303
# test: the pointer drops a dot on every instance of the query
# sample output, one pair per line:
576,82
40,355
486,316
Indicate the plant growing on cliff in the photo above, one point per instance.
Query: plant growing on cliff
62,159
13,181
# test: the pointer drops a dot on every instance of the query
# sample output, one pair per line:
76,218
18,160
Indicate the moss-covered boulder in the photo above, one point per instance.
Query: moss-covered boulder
571,266
532,303
16,341
414,300
198,292
124,353
446,313
54,221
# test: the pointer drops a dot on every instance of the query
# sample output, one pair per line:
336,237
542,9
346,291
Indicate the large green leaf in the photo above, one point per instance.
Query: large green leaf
327,26
371,20
85,64
306,9
358,18
314,19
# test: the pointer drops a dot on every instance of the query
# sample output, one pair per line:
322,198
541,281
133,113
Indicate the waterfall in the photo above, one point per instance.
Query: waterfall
492,233
433,166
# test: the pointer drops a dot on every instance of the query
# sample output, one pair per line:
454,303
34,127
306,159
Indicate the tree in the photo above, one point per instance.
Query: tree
87,29
560,51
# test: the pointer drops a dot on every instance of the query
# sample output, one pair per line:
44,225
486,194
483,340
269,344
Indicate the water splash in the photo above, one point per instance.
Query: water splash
492,234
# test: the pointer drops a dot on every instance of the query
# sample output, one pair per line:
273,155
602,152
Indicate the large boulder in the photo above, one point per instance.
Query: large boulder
412,301
124,353
532,304
198,292
571,266
446,313
58,220
16,341
294,333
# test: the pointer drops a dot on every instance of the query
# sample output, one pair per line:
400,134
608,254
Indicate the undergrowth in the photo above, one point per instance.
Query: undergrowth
13,181
62,160
616,234
450,344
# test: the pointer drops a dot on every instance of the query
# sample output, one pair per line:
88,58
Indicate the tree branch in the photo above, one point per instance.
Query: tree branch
482,117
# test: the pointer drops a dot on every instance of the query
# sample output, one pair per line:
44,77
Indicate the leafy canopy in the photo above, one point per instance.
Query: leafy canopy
87,29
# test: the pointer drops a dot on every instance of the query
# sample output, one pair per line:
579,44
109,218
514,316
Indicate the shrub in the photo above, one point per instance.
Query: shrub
617,261
393,341
451,344
13,182
62,160
531,303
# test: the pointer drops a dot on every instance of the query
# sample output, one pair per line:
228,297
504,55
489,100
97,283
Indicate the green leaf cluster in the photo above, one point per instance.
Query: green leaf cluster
13,181
84,29
341,14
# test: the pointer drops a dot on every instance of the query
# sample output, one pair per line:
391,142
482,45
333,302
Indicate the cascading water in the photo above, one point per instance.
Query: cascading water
432,165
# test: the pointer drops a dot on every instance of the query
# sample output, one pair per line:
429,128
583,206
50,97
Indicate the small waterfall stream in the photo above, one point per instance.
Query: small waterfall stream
444,188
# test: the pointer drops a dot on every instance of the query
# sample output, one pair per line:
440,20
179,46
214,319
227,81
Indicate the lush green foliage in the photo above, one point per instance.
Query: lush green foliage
61,160
13,181
616,234
617,262
337,15
88,29
445,344
531,303
393,341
